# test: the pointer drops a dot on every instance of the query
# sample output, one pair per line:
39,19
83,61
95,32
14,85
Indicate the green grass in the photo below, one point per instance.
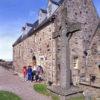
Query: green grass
42,88
55,97
5,95
77,98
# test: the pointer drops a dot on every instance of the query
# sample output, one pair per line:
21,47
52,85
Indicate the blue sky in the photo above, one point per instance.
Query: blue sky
13,15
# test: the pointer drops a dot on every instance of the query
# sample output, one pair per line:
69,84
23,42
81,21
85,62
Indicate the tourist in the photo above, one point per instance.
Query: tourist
24,71
36,76
34,73
29,73
39,74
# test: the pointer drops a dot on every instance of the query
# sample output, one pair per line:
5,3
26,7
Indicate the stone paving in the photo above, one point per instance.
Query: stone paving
11,82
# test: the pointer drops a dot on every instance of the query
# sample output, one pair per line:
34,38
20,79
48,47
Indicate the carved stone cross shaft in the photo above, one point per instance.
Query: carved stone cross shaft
64,33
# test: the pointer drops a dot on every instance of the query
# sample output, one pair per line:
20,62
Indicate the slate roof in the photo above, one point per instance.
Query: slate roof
60,2
43,10
36,26
57,3
29,24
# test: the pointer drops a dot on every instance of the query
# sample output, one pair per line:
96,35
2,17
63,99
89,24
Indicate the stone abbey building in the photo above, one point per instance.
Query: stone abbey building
65,40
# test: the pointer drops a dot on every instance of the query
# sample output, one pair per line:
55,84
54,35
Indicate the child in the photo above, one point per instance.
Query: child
24,71
29,72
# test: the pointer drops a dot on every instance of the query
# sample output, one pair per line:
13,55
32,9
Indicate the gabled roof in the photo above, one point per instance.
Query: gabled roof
43,10
36,27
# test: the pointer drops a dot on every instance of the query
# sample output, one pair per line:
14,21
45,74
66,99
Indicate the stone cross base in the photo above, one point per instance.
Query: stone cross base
66,93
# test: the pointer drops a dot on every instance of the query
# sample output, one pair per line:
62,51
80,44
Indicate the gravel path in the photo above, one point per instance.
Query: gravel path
11,82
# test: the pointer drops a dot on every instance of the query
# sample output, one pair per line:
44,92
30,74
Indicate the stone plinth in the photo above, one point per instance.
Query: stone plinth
66,93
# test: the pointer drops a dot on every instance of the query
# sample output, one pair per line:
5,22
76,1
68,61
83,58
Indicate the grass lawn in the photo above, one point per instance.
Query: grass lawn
5,95
42,88
77,98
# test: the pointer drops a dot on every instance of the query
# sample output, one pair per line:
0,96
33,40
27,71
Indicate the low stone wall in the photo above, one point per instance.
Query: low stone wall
91,92
7,64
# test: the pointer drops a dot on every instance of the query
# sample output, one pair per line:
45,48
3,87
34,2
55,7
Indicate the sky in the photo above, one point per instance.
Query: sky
13,15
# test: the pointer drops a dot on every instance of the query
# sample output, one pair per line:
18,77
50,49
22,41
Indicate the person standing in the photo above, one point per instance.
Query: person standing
29,72
34,73
24,71
39,73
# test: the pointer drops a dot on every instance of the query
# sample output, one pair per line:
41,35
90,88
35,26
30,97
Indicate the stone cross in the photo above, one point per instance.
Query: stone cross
64,60
65,33
65,36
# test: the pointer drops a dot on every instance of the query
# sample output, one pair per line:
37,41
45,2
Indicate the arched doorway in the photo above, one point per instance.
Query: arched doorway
34,60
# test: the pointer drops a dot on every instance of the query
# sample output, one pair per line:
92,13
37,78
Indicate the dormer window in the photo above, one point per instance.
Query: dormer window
42,15
50,9
52,6
23,31
23,28
26,29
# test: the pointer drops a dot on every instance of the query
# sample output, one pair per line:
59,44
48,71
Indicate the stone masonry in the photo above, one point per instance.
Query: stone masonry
68,47
42,46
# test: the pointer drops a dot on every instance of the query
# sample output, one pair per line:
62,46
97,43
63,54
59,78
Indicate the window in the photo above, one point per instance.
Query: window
76,62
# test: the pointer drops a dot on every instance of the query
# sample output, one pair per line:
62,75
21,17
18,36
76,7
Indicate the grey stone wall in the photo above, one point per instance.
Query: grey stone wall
80,12
43,47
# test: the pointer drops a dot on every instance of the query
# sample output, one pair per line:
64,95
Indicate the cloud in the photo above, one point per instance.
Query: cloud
9,32
6,47
12,17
